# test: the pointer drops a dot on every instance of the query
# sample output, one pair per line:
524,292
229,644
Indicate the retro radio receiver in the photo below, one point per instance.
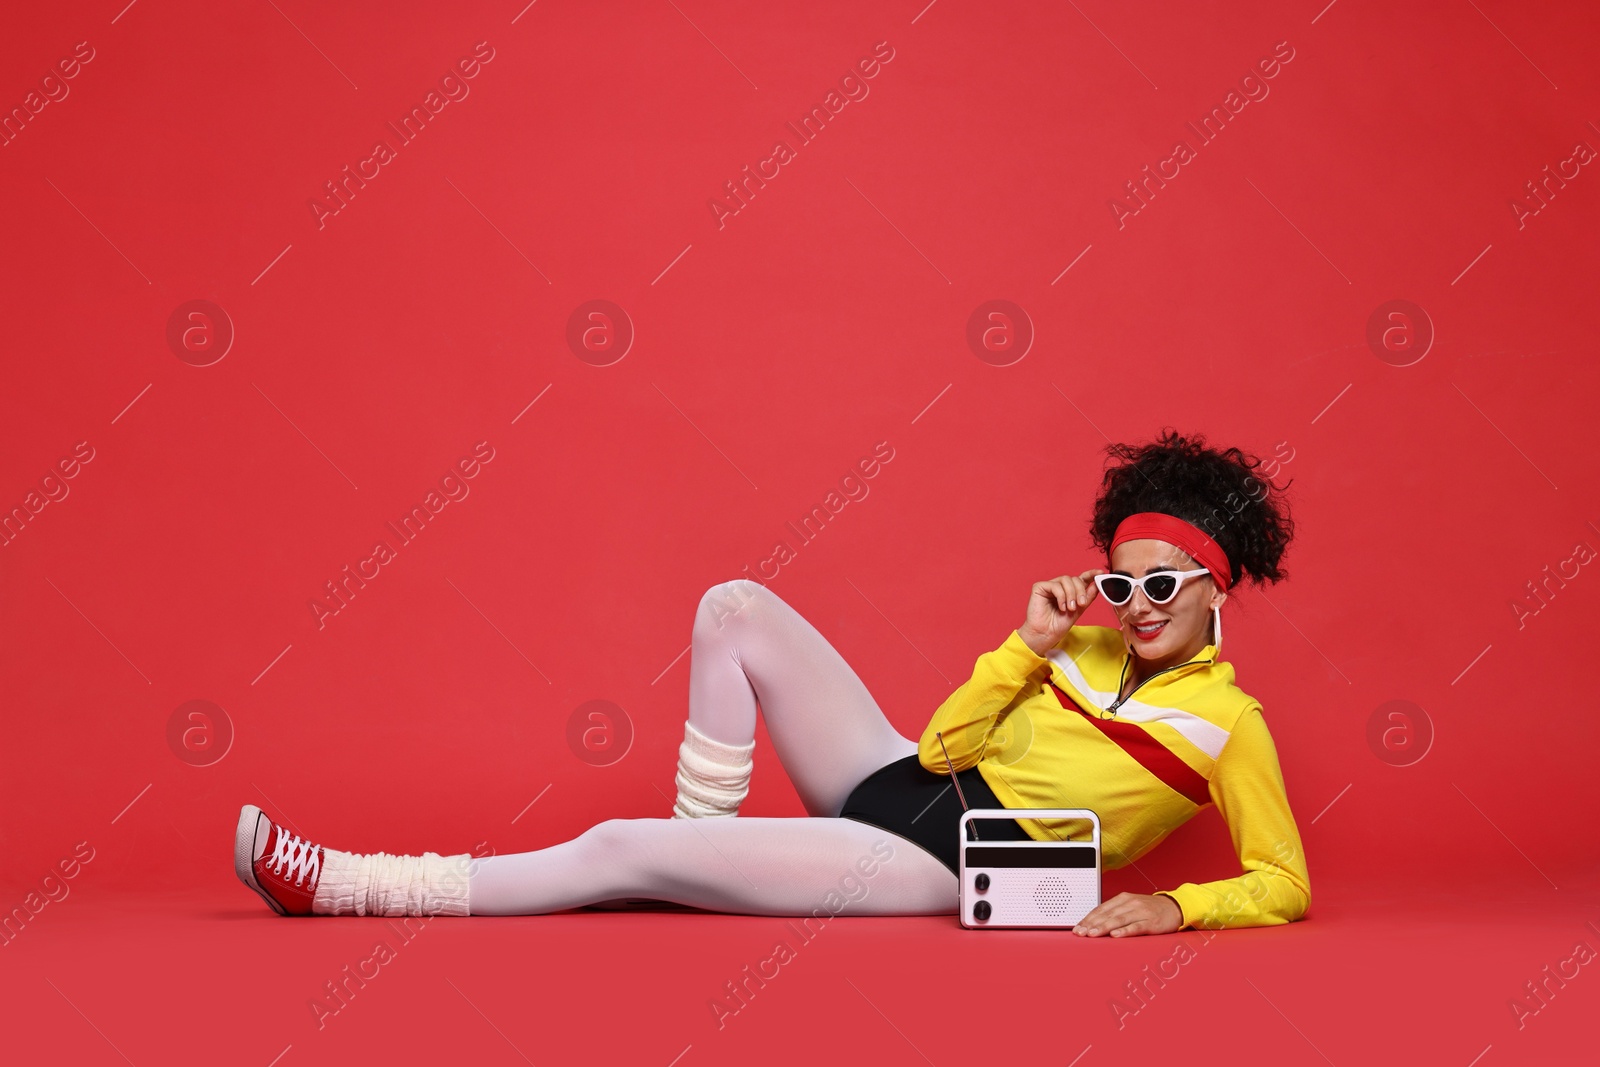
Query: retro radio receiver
1028,883
1010,884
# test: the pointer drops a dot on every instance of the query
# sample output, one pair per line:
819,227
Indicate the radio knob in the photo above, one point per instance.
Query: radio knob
981,882
981,910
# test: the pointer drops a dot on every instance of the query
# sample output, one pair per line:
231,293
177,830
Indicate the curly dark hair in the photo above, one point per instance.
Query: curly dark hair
1217,490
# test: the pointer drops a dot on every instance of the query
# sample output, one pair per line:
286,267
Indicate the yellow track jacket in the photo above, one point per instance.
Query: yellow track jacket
1035,729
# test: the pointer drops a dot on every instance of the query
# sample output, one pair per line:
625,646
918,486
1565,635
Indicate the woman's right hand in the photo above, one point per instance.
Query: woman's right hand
1054,607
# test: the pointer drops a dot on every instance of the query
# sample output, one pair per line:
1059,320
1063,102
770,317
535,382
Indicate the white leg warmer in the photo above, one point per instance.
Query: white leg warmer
713,778
383,884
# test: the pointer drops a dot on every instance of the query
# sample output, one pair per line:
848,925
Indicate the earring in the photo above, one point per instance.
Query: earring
1216,614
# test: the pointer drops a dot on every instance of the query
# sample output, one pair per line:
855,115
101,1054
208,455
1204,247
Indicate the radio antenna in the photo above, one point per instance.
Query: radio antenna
973,826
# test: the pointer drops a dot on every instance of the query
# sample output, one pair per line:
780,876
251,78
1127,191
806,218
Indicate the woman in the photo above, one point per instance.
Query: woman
1143,725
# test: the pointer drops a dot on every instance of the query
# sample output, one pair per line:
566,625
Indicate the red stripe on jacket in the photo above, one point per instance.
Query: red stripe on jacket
1148,752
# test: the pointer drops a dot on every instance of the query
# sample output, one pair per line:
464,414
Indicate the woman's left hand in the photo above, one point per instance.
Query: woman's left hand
1127,914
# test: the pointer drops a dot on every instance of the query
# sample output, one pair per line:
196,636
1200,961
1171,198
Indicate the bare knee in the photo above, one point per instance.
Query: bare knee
729,603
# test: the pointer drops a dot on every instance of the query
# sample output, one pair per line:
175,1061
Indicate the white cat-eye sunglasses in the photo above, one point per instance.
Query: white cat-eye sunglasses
1160,587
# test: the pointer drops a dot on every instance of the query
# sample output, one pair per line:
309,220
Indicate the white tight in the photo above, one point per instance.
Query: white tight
749,649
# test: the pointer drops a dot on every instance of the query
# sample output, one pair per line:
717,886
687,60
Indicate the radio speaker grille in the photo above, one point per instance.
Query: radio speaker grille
1052,896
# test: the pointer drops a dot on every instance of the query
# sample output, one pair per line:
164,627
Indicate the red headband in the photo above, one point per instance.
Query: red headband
1187,536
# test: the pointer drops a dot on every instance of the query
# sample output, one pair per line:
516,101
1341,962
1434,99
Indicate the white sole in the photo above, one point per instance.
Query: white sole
244,849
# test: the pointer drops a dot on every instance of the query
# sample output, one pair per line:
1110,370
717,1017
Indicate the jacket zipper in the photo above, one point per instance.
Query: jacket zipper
1121,700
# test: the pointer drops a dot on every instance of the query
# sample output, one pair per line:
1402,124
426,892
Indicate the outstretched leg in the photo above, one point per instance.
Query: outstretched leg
747,866
816,866
750,648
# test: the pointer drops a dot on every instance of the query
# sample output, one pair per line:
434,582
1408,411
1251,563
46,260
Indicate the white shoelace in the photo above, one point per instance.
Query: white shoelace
294,858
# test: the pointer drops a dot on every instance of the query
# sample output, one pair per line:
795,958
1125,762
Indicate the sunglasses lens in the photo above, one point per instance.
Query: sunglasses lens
1117,590
1161,588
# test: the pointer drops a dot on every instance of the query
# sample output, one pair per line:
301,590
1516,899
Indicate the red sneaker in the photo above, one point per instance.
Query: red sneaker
279,865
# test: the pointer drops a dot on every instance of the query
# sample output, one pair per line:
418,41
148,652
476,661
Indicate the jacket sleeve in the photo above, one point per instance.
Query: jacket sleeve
969,714
1247,787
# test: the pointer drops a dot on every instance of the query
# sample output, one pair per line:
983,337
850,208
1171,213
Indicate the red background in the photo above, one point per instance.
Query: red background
773,352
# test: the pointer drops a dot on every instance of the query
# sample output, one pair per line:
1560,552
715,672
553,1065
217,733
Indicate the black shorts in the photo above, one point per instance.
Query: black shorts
907,799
